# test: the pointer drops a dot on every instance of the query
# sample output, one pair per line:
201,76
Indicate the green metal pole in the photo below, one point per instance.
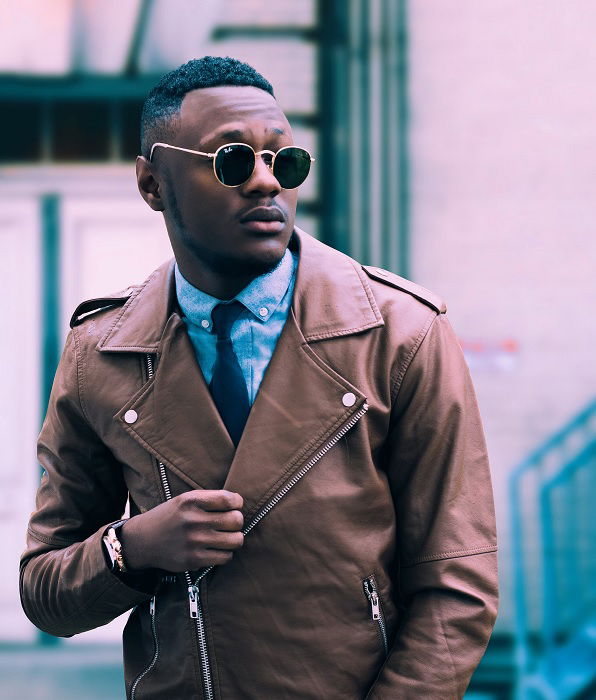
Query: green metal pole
50,316
403,131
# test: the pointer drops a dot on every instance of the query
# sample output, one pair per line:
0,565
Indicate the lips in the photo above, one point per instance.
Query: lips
263,214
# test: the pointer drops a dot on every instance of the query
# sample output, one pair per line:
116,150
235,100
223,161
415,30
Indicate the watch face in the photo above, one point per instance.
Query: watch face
110,552
113,547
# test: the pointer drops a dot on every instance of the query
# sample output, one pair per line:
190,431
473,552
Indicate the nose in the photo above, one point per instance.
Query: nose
262,181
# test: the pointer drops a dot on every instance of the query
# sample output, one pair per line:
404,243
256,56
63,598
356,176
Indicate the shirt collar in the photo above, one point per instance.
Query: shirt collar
263,294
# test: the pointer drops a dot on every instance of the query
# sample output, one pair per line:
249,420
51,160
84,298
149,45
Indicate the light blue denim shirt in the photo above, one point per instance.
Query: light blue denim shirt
267,300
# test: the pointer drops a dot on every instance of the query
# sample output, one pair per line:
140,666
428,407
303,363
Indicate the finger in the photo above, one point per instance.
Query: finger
219,500
228,521
226,541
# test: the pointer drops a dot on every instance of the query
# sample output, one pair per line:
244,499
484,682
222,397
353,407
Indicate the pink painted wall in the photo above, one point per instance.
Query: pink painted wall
503,128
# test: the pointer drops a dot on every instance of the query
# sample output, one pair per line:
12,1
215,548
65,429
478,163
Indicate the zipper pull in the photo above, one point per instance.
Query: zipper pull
193,601
374,603
371,594
152,607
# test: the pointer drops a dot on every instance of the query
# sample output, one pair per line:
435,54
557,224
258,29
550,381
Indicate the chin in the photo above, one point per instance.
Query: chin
253,257
259,256
250,264
258,264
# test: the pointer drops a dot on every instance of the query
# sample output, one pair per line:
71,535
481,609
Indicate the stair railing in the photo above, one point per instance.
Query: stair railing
552,535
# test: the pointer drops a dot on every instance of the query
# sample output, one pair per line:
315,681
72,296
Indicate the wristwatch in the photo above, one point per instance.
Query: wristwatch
114,547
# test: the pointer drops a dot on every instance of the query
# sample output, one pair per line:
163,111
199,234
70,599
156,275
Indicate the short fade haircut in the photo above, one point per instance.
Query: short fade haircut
161,109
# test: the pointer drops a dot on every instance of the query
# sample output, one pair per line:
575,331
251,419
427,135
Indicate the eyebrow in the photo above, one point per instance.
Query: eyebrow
237,134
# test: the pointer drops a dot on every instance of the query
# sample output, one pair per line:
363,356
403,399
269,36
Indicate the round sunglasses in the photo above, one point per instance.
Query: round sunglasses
234,163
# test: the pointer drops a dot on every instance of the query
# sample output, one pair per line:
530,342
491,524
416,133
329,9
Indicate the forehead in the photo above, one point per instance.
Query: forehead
208,111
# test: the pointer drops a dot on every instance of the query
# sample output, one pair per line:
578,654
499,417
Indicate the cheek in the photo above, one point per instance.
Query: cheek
204,196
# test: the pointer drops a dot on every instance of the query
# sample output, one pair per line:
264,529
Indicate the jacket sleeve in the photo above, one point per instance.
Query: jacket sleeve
66,585
440,479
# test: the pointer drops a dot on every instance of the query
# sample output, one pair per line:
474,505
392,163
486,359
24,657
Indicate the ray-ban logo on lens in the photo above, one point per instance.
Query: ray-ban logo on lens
229,149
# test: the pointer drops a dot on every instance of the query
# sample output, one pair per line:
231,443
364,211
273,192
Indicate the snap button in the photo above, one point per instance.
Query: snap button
263,311
348,399
205,323
130,416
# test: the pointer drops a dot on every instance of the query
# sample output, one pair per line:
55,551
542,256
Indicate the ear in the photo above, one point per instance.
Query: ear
149,185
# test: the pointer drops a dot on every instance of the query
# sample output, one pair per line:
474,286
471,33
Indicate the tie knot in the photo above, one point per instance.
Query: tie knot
223,317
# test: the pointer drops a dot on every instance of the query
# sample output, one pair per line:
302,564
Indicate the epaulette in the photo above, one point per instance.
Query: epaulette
91,306
421,293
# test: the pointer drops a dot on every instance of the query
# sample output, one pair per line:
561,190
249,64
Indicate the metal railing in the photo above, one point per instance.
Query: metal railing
554,557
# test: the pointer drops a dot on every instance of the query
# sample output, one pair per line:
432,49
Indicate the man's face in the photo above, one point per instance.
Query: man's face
208,223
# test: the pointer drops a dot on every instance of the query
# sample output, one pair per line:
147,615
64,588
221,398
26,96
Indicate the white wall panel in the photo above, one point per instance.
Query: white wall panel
19,397
107,244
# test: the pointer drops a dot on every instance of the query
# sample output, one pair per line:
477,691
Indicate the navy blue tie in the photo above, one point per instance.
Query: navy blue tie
228,386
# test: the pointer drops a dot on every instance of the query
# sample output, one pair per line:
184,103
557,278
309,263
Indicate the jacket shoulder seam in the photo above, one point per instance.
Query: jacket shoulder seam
453,554
368,291
426,296
397,378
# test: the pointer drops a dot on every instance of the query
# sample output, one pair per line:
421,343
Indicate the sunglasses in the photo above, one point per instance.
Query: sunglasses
234,163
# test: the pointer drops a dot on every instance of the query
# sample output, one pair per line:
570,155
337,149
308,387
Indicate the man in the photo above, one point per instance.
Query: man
310,500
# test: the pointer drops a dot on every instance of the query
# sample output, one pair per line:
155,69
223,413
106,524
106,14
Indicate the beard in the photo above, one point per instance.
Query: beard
224,264
227,265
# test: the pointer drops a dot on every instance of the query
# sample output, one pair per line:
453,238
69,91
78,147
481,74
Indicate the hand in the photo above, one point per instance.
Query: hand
196,529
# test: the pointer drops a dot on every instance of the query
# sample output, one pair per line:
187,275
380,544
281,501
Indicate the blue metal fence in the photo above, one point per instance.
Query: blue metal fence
554,557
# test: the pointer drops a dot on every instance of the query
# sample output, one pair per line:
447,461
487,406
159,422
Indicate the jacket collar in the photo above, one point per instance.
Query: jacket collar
331,298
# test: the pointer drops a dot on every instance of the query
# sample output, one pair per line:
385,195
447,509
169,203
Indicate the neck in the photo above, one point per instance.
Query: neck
216,285
218,278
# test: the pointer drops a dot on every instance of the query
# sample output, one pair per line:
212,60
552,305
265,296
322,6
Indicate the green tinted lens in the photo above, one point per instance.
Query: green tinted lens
291,167
234,164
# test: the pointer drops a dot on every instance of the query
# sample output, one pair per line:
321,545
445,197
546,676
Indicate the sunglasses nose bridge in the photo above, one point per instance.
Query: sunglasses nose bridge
237,164
268,157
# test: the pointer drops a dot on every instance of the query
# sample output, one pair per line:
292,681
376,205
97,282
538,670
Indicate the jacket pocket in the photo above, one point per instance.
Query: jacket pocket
377,615
151,665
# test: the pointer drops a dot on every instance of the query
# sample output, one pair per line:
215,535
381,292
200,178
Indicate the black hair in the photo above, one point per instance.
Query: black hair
162,105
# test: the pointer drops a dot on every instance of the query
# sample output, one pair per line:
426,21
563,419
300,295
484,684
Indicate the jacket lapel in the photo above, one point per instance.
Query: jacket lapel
177,420
300,405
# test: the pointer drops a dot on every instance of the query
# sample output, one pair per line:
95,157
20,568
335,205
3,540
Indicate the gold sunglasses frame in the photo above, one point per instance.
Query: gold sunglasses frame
213,157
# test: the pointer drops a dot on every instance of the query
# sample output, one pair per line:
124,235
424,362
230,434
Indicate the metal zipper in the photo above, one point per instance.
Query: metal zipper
194,599
143,673
194,596
306,468
196,613
376,613
296,478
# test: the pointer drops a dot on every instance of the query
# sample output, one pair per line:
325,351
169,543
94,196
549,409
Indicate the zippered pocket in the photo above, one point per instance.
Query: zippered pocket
139,678
376,611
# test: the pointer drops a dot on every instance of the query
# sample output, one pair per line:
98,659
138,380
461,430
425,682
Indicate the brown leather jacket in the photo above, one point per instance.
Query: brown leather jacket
369,565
